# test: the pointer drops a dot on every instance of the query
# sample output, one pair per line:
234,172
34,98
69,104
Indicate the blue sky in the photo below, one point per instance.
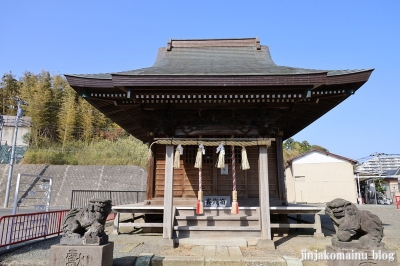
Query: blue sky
65,37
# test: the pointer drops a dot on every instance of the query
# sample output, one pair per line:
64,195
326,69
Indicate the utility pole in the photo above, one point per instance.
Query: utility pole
1,128
377,155
359,189
12,158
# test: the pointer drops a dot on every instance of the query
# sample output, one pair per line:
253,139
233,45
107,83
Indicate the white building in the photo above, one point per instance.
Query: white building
8,130
380,163
319,177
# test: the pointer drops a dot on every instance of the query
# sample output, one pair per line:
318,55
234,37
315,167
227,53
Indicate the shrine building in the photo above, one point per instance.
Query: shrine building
217,95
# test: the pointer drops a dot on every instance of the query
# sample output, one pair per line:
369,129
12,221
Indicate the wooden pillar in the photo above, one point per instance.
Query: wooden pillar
215,174
168,192
264,193
280,169
150,174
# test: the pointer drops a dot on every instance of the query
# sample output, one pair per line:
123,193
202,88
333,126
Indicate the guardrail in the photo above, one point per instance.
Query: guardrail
20,228
80,198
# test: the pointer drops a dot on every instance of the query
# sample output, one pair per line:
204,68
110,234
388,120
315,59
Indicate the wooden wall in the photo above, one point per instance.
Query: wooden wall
186,178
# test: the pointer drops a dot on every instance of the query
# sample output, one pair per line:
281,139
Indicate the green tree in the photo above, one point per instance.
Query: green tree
317,147
289,144
87,120
304,146
67,116
57,89
9,87
37,90
379,185
292,148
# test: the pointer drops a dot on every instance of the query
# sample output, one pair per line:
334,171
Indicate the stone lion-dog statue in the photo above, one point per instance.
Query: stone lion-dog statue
354,228
86,226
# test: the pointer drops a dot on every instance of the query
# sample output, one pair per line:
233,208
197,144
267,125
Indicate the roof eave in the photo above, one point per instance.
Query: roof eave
317,78
290,161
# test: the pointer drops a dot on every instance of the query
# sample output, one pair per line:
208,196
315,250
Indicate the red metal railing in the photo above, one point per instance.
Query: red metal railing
19,228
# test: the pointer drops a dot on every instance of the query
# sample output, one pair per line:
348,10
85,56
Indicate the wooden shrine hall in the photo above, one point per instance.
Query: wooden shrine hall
215,113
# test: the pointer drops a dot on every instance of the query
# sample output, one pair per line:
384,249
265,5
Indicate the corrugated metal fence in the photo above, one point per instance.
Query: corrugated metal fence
80,198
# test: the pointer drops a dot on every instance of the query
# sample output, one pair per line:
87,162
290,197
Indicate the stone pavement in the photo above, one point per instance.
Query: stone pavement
218,260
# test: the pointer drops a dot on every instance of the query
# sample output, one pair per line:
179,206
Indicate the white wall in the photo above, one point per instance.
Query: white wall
316,157
7,136
320,178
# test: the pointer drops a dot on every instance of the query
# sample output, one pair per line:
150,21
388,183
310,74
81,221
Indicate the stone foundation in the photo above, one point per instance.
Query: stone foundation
61,255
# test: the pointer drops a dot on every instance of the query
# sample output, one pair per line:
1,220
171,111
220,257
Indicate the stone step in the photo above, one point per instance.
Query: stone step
216,234
218,218
217,221
216,242
220,223
273,225
217,228
221,211
222,260
141,225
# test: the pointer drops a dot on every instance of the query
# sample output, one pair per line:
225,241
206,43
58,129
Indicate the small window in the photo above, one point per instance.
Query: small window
300,178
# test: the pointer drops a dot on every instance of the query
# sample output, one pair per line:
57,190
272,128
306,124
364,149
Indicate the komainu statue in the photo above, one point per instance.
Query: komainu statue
354,228
86,226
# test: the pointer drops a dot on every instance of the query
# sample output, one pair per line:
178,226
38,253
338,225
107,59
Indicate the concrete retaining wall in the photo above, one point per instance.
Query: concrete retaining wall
71,177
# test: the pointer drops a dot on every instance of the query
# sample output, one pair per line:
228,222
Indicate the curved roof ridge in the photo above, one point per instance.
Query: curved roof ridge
213,57
217,60
215,39
228,42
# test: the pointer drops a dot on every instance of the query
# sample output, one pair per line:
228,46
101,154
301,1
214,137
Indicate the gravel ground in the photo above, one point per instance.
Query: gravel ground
130,244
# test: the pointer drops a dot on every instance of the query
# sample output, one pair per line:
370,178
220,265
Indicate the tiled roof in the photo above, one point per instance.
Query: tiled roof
289,162
216,57
226,68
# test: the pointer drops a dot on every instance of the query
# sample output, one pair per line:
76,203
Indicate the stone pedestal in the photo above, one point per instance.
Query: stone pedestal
77,240
165,242
319,235
266,244
355,257
82,255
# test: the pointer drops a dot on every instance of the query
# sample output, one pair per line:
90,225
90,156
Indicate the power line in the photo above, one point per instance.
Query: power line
375,155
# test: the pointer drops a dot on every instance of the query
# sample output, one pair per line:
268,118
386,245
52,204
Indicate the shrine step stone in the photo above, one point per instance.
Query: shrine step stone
217,220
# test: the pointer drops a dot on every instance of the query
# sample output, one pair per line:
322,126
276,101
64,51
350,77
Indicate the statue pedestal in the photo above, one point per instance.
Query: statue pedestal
355,257
85,255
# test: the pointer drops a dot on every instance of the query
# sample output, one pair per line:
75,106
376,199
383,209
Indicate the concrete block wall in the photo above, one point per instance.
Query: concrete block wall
71,177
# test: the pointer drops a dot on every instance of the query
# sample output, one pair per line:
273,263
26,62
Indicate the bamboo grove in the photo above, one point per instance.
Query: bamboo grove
58,114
